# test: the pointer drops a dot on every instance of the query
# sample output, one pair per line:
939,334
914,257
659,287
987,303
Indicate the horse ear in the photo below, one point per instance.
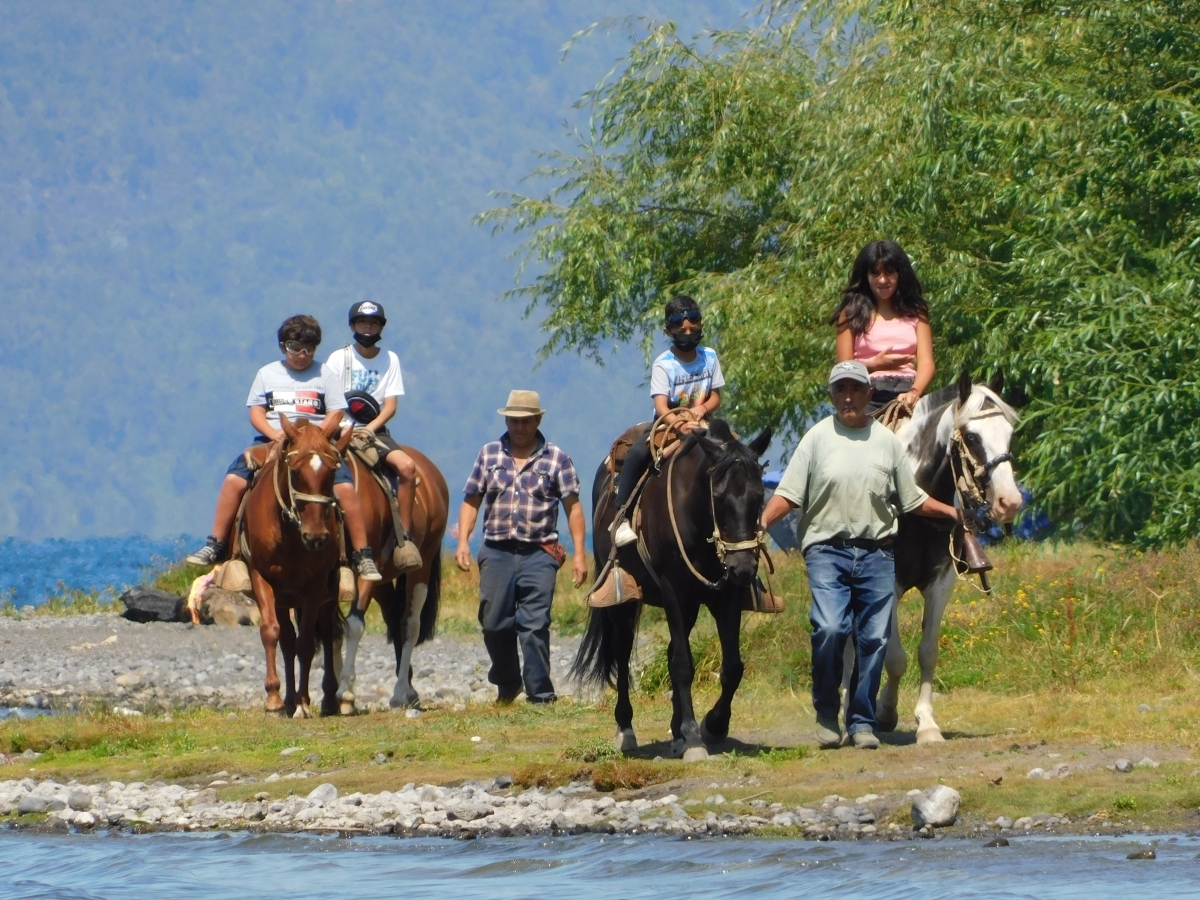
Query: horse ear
759,445
964,386
344,441
288,428
332,423
997,382
712,449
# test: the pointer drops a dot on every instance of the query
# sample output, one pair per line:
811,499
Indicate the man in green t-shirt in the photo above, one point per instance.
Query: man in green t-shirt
851,480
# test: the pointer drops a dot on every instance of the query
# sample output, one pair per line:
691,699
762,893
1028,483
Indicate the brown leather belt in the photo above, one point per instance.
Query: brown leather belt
859,543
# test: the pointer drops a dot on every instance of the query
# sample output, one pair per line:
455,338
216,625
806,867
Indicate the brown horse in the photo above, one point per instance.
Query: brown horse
291,531
412,621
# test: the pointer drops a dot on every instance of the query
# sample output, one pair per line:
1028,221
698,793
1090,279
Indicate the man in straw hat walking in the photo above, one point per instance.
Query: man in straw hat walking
524,477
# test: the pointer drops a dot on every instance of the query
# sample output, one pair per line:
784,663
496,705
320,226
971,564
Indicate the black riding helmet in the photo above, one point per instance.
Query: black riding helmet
367,309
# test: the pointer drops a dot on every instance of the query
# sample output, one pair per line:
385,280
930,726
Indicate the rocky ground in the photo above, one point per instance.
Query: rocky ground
63,662
470,810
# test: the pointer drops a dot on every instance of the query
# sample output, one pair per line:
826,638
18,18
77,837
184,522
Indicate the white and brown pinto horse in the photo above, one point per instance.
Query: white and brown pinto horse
963,418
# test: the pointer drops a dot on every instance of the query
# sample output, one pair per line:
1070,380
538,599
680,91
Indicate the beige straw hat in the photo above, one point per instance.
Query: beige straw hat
522,404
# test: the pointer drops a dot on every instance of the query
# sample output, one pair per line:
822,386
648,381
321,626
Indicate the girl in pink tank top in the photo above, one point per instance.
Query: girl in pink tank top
883,322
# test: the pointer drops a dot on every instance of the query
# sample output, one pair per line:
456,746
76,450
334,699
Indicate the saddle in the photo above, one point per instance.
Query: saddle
892,415
372,453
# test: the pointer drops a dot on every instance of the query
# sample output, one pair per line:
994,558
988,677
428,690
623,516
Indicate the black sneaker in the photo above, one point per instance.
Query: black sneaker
210,554
364,565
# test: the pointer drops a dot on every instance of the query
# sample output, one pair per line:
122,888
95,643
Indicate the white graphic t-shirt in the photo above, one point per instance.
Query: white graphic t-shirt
686,384
308,394
379,376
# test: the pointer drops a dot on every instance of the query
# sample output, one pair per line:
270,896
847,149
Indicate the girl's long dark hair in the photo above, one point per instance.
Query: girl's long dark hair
858,302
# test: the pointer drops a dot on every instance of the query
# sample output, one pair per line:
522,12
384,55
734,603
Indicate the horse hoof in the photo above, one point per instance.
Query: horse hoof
279,713
404,700
695,754
709,737
886,720
347,707
626,741
930,736
677,748
302,712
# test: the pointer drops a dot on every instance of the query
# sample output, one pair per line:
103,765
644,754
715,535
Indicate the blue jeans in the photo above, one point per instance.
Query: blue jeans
516,587
852,589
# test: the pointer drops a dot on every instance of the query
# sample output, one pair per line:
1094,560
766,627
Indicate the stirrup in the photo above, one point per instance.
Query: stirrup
624,535
406,556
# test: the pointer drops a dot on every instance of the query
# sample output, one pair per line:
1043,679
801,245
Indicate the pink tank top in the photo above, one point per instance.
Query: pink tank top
899,334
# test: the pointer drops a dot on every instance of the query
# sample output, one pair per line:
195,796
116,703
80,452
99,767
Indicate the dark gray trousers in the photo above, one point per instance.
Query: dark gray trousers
516,588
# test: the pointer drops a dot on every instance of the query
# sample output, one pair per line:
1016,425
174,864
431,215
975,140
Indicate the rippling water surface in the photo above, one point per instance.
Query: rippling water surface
241,866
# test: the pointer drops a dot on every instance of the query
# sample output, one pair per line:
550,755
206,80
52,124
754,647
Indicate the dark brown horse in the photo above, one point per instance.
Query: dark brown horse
291,530
700,528
409,600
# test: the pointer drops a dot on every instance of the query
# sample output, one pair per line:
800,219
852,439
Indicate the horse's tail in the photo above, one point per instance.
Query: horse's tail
596,660
429,612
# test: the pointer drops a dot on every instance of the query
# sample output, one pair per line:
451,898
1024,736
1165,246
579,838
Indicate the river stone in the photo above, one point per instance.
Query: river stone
323,793
33,803
1123,765
222,607
80,801
206,797
937,806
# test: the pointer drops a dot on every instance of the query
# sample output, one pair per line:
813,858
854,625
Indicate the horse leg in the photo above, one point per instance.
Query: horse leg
623,625
329,627
416,589
352,634
287,643
306,646
714,727
268,630
936,595
895,663
684,727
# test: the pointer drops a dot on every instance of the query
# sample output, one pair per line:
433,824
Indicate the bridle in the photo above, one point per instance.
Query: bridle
290,513
722,546
973,478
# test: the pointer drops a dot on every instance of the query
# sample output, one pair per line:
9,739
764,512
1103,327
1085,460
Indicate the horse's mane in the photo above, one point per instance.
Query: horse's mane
981,395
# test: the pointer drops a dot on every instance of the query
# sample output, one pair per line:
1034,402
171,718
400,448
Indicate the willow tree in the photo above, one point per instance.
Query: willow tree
1038,160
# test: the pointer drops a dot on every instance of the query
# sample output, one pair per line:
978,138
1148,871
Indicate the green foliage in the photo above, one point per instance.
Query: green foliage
589,750
1124,803
1038,161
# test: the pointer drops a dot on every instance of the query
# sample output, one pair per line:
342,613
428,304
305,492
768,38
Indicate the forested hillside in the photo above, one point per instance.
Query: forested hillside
178,177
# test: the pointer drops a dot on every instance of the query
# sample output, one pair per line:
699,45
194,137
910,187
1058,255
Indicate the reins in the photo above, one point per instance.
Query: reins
971,480
288,509
722,546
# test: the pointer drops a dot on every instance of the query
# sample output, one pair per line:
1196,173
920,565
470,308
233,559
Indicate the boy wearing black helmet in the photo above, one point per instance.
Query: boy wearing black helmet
687,376
301,388
372,382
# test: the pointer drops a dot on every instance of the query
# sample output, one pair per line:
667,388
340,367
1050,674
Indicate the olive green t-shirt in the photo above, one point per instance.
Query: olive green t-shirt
849,483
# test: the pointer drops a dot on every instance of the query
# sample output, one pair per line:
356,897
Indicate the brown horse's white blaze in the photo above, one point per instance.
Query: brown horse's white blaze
923,557
401,597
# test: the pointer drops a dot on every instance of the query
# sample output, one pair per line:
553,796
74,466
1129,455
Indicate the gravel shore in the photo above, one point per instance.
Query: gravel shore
63,662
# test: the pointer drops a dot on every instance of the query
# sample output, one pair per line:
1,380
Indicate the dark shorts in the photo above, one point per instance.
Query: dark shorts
384,437
239,468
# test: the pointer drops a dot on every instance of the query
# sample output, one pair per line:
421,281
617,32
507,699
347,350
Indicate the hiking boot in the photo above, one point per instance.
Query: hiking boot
210,554
828,734
624,535
407,557
364,565
865,740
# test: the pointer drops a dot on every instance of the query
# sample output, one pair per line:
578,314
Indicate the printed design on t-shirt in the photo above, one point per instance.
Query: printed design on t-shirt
296,403
364,379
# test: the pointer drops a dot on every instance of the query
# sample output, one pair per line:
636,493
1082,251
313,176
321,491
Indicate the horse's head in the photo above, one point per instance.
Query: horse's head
737,499
309,458
985,423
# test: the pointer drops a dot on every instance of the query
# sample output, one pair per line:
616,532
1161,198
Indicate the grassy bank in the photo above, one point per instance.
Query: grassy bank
1081,655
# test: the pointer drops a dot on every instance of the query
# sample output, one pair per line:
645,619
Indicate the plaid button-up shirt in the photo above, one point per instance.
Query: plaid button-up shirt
522,506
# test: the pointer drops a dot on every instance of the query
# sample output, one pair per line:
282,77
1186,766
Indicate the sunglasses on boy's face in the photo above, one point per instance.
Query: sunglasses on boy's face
299,349
692,315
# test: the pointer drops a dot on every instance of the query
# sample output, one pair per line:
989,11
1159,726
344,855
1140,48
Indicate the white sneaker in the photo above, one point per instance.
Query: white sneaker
624,535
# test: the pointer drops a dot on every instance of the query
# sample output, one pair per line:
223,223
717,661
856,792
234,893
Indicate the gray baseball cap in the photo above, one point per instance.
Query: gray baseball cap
849,370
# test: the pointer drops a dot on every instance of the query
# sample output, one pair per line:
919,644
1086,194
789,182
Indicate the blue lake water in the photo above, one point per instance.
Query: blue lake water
240,865
31,572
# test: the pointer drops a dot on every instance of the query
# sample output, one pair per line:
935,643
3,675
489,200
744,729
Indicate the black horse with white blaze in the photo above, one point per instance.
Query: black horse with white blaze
700,534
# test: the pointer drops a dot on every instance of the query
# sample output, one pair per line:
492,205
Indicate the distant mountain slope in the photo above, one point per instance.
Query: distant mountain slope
176,178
